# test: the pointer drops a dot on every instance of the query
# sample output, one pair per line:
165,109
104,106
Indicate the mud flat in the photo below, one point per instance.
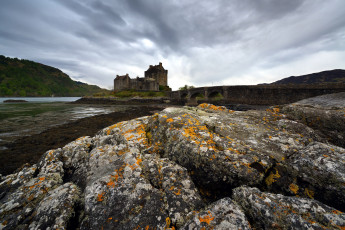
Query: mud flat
29,149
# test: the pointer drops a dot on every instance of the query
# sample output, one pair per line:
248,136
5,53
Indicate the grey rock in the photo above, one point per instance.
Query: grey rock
57,208
222,214
172,169
323,113
275,211
180,193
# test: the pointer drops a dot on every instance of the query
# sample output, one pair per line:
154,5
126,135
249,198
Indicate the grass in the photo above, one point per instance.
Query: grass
131,93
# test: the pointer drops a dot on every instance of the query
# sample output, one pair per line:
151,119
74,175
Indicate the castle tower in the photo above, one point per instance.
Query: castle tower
158,73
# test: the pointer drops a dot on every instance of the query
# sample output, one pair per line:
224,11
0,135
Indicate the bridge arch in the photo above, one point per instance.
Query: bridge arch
184,95
196,95
215,94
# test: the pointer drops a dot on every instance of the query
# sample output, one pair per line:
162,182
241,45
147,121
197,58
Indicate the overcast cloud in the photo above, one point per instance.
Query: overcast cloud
201,43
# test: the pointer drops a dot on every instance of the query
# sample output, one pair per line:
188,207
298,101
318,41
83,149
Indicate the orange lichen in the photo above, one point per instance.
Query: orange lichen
168,222
139,160
170,120
294,188
31,197
337,212
207,219
111,184
178,192
212,107
100,196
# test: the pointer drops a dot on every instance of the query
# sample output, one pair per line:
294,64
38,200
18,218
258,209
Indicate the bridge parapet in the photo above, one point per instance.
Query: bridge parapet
255,95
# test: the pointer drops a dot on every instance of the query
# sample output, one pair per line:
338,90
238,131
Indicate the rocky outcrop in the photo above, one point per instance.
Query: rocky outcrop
323,113
184,168
275,211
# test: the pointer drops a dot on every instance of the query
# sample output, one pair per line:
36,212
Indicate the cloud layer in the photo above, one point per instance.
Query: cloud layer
201,43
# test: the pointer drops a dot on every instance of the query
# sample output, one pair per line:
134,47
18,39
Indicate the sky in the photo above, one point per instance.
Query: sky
200,42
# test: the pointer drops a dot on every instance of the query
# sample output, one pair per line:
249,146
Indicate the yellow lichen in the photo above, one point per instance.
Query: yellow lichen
168,222
272,177
294,188
309,193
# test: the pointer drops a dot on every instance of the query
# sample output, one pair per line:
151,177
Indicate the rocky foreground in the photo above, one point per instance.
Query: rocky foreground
188,168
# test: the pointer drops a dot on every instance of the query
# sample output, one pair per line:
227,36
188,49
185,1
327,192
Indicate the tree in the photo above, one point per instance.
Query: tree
186,87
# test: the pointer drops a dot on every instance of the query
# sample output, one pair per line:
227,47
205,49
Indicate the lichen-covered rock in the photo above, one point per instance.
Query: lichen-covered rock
161,171
133,190
222,214
275,211
75,158
173,180
317,171
225,149
17,207
57,208
324,113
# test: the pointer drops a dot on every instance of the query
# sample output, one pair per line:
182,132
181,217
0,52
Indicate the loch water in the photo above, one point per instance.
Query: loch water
41,113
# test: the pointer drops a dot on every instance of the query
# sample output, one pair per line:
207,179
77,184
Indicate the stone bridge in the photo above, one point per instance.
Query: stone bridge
253,95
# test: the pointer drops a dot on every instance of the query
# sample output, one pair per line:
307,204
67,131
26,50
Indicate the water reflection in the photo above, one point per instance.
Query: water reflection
17,120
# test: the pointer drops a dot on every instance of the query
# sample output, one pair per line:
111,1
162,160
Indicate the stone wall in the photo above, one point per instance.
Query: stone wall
121,82
256,95
144,84
139,84
158,73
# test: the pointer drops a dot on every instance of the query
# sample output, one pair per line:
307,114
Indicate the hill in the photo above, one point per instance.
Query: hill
19,77
330,76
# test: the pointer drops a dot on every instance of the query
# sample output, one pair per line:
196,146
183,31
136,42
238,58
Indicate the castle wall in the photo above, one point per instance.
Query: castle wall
158,73
144,84
154,77
121,84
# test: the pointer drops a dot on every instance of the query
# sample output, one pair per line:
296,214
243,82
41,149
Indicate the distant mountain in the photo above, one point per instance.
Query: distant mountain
19,77
330,76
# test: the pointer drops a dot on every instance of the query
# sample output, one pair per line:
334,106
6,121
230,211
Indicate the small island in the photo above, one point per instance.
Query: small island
15,101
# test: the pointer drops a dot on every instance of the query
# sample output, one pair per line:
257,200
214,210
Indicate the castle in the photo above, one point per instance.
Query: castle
155,76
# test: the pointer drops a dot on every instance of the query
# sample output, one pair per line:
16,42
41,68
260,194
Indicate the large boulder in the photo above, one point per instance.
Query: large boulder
177,169
324,113
275,211
224,149
222,214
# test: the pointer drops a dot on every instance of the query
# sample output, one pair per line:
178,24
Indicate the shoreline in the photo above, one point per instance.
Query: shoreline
29,149
123,101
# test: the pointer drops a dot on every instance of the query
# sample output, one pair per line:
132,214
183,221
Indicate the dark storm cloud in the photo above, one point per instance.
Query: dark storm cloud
200,42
